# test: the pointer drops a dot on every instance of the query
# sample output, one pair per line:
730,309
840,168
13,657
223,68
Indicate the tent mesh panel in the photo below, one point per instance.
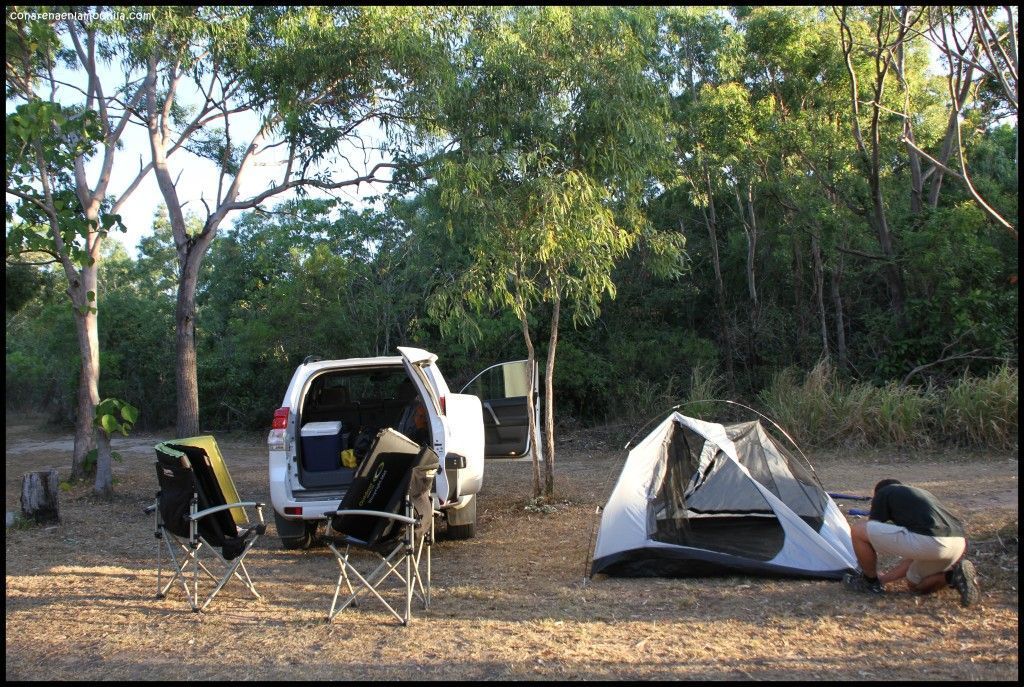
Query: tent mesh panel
776,468
756,537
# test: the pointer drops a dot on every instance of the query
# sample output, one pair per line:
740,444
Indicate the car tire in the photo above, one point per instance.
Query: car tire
457,532
462,522
302,542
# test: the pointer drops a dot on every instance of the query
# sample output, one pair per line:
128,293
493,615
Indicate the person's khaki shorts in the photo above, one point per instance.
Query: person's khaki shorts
930,554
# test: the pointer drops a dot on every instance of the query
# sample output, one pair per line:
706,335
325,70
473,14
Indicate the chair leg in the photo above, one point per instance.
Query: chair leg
159,564
410,581
191,556
429,543
232,571
423,591
194,600
248,580
181,570
370,582
373,590
343,564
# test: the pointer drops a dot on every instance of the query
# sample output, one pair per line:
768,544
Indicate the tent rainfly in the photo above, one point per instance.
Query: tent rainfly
698,498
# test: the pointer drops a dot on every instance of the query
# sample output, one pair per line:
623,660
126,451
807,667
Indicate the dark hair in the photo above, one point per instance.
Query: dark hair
886,483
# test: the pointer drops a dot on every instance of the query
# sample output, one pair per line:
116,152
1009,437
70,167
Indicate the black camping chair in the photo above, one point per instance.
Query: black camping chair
387,511
197,509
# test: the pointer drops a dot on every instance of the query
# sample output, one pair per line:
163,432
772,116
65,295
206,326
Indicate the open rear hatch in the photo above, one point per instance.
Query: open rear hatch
341,413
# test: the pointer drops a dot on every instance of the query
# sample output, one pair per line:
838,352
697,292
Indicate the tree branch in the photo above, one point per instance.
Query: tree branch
959,356
870,256
944,168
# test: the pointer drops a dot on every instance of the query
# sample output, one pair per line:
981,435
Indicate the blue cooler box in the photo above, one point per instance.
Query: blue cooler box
322,444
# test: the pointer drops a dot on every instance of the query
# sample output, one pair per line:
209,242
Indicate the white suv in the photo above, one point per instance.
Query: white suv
333,409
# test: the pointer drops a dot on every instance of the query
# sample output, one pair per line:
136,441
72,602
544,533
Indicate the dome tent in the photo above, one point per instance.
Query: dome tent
700,498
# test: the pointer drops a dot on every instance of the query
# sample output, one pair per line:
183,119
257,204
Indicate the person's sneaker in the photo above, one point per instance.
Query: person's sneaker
858,583
964,579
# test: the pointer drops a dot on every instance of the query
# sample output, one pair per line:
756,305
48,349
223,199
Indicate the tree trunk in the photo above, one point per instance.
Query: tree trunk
104,485
837,302
750,226
40,497
87,330
750,229
711,220
798,295
549,404
891,273
871,159
186,378
949,140
916,180
819,293
531,359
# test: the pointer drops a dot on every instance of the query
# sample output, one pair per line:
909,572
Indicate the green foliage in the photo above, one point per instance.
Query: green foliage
546,185
42,362
114,415
44,139
577,154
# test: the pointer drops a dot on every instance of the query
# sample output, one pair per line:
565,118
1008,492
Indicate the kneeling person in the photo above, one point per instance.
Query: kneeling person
911,523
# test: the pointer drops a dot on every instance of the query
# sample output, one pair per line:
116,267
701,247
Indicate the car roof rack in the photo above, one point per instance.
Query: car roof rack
311,359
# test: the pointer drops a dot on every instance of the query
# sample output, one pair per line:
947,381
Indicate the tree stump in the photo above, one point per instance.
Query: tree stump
39,492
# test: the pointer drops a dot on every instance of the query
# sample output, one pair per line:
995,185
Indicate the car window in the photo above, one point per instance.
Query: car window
509,380
371,385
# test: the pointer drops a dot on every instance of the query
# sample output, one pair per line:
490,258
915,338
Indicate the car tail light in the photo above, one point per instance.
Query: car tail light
293,510
280,418
278,437
444,406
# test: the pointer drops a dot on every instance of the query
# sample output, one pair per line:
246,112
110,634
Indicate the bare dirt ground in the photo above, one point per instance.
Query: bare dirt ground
509,604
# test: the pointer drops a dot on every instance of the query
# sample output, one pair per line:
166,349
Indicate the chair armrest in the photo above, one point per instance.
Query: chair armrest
378,514
226,506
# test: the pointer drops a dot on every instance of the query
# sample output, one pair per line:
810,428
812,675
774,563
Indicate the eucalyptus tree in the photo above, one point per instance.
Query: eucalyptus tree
870,43
63,207
978,46
550,167
315,80
699,52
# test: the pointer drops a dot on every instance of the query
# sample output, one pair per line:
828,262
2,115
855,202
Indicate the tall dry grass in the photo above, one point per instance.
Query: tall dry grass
982,411
823,410
705,386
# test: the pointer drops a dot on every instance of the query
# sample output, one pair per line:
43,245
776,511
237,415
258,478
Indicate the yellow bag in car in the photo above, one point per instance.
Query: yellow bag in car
348,458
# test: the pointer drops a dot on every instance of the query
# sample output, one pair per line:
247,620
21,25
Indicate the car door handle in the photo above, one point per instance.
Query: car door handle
490,410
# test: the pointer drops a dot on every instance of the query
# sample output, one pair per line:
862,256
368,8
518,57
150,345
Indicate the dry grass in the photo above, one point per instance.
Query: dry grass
507,605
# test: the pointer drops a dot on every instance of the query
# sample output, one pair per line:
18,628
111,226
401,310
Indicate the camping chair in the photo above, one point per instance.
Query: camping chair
387,511
197,509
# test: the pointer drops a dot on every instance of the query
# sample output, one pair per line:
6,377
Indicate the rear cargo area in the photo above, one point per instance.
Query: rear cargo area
341,414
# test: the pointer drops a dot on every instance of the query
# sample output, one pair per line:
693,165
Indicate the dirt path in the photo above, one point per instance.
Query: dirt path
509,604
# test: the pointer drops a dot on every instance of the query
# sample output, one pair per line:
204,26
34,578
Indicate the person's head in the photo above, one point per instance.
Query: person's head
885,483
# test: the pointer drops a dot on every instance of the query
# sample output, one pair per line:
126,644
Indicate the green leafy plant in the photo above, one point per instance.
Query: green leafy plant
112,415
115,415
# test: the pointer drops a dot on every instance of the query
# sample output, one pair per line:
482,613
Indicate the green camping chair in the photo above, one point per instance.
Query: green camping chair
198,509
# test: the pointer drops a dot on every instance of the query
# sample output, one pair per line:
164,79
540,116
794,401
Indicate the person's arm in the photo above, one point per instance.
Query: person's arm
880,507
898,572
